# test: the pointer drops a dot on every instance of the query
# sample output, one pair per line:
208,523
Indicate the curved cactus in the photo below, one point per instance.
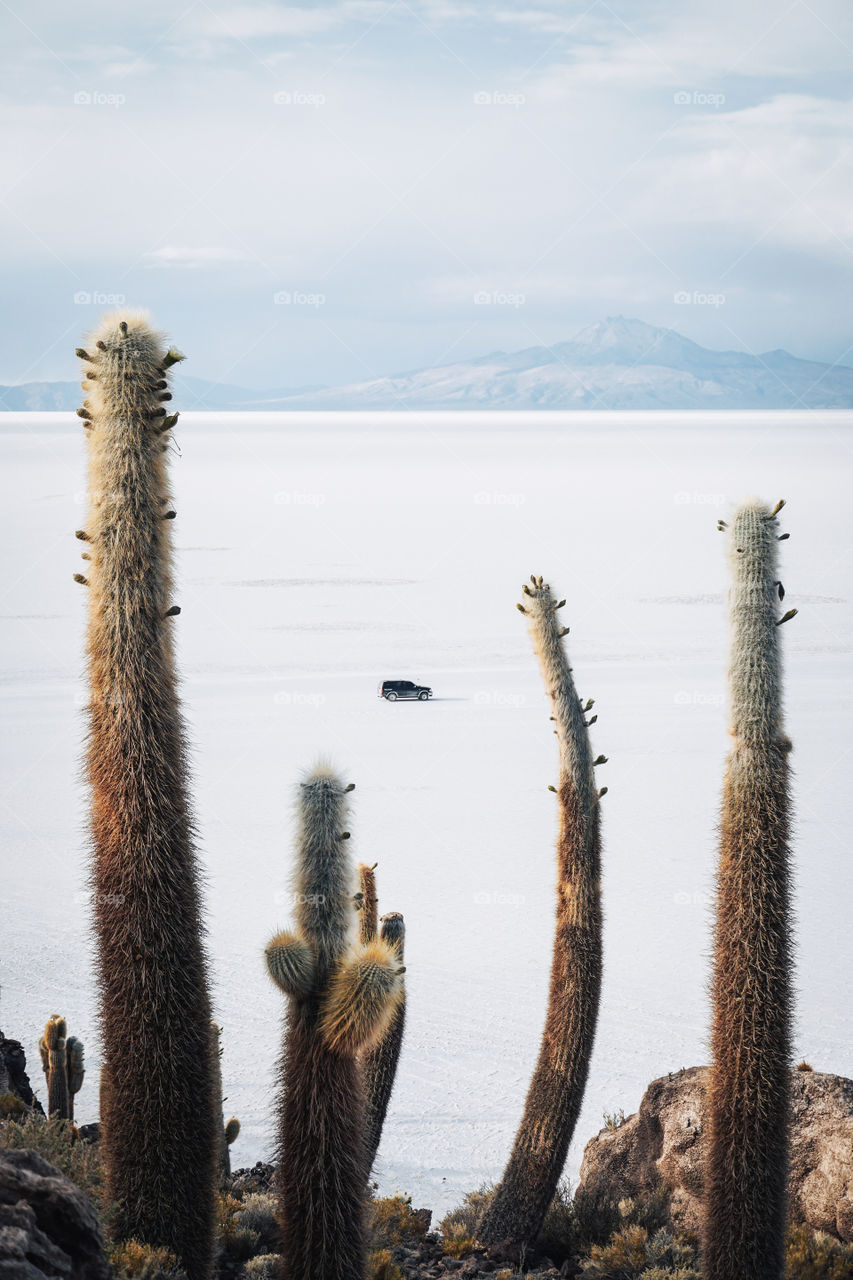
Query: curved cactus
746,1177
159,1126
516,1212
340,1002
380,1062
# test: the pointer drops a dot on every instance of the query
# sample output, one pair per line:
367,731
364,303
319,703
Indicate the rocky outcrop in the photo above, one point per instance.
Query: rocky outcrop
13,1073
666,1141
48,1227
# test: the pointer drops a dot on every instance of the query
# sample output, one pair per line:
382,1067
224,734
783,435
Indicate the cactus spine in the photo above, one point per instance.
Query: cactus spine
159,1130
340,1002
516,1213
748,1097
62,1063
380,1062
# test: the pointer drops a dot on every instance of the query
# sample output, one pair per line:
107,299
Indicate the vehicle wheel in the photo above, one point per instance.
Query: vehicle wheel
392,697
422,697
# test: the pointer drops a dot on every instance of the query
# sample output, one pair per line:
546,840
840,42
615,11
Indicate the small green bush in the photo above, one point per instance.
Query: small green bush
393,1222
381,1266
237,1242
11,1106
55,1141
631,1253
257,1213
132,1260
813,1255
461,1223
266,1266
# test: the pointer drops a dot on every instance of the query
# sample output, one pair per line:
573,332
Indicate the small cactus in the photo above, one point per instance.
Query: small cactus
516,1212
62,1063
231,1129
341,1002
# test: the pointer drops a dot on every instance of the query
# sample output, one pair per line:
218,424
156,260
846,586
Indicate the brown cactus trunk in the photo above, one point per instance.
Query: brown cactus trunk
745,1203
516,1213
158,1122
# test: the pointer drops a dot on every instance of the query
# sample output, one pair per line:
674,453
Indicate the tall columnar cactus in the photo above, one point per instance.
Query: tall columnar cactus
341,999
748,1153
159,1122
517,1210
62,1063
380,1062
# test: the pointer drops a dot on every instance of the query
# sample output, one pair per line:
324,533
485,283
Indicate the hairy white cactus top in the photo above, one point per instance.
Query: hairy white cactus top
547,632
324,877
754,613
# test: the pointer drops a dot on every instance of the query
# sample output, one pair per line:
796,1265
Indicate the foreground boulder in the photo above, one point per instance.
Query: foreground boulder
666,1141
48,1227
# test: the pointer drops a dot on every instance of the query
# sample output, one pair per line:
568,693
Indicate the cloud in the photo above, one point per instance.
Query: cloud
252,22
782,169
173,255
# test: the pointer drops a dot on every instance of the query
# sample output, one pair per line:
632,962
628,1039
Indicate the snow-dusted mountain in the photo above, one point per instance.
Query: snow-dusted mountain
615,364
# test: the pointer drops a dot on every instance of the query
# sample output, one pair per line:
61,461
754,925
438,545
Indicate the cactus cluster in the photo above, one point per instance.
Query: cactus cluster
341,999
62,1063
163,1133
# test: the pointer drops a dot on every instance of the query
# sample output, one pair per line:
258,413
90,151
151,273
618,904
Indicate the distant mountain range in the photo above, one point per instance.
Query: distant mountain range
614,364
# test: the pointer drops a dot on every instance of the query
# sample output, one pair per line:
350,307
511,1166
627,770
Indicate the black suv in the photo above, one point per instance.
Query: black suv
394,689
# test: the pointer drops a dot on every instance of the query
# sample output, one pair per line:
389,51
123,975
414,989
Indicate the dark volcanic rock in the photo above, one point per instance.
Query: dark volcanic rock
13,1073
48,1227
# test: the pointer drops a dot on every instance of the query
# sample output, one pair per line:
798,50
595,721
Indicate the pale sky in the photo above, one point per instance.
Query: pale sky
385,165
